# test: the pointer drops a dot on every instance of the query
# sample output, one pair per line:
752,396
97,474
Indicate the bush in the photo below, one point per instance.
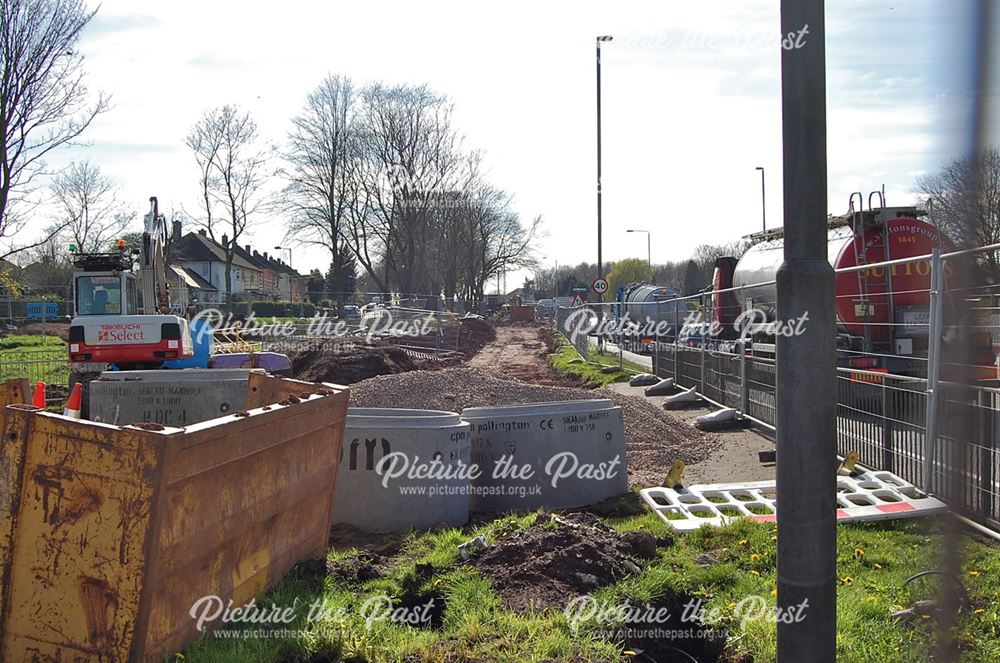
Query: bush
283,309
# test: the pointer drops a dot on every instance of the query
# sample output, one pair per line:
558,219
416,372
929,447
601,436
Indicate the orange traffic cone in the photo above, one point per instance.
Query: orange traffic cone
39,398
75,402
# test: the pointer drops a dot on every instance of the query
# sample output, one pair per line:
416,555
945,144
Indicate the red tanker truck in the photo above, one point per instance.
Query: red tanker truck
882,314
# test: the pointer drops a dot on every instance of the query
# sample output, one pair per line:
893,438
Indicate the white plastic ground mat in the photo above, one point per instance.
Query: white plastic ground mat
869,496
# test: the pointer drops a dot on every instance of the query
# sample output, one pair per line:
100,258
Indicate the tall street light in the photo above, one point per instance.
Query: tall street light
600,262
805,364
763,213
649,254
285,248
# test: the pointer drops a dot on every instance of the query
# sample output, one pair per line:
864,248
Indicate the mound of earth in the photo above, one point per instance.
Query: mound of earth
474,334
60,329
349,363
558,558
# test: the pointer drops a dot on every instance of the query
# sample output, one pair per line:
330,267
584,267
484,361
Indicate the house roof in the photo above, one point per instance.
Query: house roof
192,279
195,247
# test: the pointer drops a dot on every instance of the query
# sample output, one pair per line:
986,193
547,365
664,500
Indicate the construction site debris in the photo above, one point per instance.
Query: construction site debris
472,547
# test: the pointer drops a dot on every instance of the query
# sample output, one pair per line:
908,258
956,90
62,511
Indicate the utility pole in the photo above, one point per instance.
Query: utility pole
806,364
600,261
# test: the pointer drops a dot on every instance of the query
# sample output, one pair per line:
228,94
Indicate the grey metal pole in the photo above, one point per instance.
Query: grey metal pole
649,252
600,262
744,382
763,206
806,363
933,368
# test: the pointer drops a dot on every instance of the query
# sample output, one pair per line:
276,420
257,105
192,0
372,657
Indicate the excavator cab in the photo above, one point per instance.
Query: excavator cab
110,324
105,285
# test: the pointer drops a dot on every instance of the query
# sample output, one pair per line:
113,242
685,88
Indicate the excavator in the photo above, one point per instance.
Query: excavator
121,305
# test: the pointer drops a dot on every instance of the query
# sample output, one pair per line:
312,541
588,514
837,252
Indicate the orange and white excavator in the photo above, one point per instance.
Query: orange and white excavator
116,320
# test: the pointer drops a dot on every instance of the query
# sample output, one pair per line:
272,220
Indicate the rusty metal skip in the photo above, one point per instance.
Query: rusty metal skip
108,534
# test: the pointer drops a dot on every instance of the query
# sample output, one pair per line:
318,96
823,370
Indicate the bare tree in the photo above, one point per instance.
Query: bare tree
44,102
226,145
320,150
947,195
383,173
89,208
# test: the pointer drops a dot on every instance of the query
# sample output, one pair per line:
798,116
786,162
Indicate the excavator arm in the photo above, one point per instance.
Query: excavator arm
153,264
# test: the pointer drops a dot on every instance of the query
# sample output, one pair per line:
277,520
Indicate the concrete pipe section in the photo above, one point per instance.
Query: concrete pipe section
553,455
402,469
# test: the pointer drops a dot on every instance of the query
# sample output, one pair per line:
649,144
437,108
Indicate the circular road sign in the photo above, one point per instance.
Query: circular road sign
600,286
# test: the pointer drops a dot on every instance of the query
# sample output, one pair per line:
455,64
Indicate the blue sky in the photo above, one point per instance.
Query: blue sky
691,101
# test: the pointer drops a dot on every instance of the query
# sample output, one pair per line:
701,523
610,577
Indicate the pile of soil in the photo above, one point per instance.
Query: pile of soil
60,329
559,558
474,334
654,439
348,363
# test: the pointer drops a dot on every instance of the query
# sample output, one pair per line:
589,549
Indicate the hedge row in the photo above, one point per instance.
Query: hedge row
283,309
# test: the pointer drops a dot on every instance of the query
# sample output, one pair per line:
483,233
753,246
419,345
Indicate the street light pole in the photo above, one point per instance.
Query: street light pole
600,261
763,209
286,248
649,250
805,363
287,276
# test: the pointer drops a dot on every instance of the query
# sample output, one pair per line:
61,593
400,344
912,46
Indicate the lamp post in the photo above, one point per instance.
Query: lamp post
763,212
285,248
649,254
805,364
287,276
600,262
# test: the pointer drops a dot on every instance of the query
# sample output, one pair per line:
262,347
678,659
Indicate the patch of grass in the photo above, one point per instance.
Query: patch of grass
565,360
35,357
31,342
873,562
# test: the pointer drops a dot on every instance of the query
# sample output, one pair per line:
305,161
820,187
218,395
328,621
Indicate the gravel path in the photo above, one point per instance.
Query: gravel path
653,438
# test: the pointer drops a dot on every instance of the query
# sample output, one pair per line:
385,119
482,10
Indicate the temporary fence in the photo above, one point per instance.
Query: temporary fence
897,412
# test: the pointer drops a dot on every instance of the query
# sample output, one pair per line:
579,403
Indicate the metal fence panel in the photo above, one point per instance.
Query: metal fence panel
881,417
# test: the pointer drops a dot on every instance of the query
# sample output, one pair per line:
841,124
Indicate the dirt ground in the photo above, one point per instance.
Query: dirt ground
518,353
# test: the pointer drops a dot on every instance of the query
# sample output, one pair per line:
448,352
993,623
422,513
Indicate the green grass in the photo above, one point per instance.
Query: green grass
589,372
31,342
34,357
873,562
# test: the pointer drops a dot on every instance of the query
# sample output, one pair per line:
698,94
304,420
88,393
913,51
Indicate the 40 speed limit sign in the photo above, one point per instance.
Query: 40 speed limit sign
600,285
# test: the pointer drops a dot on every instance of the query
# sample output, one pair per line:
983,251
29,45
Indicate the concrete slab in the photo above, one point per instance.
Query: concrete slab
736,458
169,397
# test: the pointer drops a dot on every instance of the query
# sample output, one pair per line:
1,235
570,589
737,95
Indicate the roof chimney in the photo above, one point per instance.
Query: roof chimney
248,248
265,256
176,230
201,231
225,241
